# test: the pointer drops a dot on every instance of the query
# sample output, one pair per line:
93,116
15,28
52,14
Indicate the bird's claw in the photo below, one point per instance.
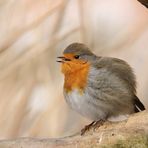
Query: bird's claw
87,128
94,124
98,123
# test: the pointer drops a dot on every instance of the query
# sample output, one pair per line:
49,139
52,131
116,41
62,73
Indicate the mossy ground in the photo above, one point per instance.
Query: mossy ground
140,141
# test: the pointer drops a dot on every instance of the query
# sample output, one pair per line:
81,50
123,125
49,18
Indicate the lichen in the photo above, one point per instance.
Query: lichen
140,141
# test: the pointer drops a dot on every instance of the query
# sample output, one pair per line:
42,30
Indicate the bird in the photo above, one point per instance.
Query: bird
99,88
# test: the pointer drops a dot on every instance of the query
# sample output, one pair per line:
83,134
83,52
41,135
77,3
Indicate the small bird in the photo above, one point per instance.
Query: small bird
99,88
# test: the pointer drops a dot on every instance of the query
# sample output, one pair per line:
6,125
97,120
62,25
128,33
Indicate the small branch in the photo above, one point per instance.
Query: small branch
130,133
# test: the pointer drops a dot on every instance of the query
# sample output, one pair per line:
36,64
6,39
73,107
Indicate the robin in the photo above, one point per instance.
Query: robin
99,88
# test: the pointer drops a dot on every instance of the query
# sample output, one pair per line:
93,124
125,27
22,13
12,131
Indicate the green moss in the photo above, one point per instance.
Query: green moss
133,142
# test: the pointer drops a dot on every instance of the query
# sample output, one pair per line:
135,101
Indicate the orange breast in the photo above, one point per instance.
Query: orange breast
75,76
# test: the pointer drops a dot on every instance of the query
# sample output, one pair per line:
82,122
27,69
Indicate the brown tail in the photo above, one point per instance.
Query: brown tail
138,105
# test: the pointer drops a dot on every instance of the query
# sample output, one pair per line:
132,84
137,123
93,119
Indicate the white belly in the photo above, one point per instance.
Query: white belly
83,104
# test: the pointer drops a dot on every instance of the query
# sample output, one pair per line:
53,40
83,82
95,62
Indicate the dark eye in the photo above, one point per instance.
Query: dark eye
76,56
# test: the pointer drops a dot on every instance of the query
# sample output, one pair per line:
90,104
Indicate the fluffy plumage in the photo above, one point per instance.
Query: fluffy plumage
109,85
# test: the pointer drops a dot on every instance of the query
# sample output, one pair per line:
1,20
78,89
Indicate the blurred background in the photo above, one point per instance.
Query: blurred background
33,33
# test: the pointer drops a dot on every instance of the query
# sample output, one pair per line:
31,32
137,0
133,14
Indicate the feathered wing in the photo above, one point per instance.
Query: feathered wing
138,106
120,68
124,72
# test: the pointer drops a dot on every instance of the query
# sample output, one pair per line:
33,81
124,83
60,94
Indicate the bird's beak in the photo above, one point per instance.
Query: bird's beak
62,59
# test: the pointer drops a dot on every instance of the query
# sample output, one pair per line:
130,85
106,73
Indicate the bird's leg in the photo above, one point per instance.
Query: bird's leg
86,128
98,123
94,124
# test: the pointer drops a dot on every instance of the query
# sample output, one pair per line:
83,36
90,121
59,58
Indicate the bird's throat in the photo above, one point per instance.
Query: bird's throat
76,80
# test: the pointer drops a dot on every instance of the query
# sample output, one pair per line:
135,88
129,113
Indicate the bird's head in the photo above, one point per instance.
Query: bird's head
75,57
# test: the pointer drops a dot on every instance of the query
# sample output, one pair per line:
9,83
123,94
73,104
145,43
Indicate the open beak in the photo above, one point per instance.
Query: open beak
62,59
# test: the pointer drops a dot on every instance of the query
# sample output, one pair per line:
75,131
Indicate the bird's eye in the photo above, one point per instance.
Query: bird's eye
76,56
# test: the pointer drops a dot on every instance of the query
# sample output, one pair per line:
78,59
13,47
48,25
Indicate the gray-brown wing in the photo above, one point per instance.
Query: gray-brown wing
120,68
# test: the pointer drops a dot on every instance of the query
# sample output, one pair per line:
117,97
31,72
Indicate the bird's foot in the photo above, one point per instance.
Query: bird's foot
86,128
94,124
98,123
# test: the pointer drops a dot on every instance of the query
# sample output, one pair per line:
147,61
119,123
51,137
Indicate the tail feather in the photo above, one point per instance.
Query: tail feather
138,104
